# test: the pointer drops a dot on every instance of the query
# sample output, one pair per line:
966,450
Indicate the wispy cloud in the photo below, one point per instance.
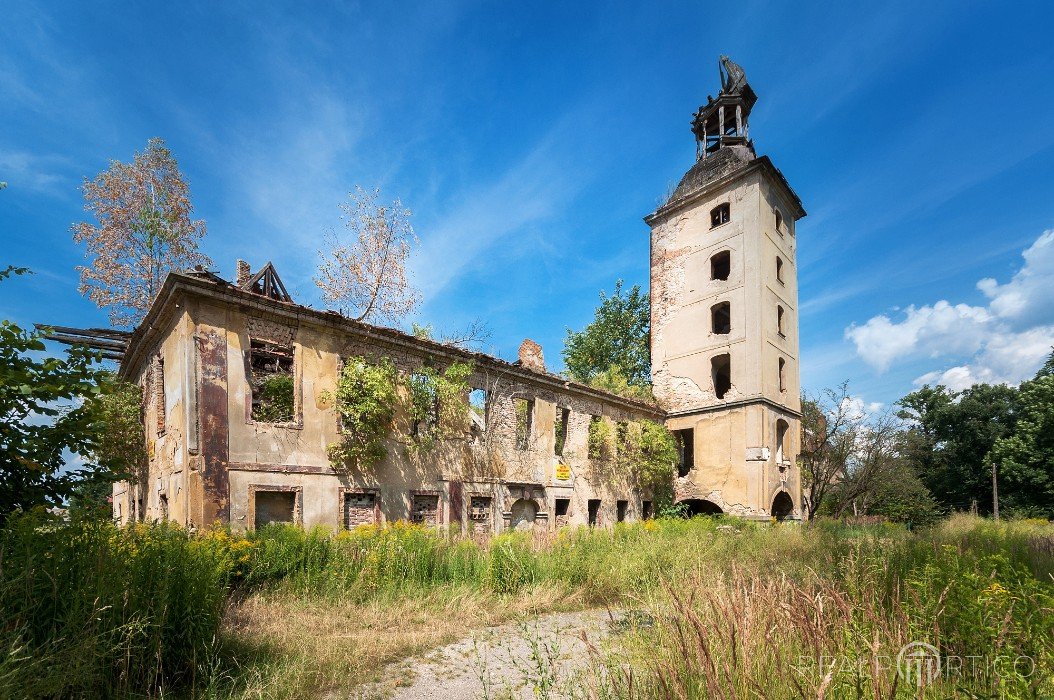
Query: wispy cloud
531,190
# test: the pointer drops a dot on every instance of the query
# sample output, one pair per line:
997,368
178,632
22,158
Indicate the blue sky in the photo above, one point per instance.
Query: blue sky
531,139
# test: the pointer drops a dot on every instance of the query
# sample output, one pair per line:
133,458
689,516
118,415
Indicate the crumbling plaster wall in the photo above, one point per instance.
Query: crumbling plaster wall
162,488
683,293
294,454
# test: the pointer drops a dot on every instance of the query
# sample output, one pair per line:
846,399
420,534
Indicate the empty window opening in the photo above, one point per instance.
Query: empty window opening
721,318
271,378
594,511
685,450
563,416
721,370
779,320
424,509
274,507
781,437
359,509
720,214
782,374
425,405
524,422
562,507
478,409
647,511
620,511
779,221
596,446
779,269
721,265
479,513
159,394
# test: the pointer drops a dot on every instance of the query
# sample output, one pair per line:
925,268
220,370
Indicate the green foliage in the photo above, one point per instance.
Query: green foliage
601,440
436,405
121,446
274,398
952,437
614,379
40,418
91,610
1026,458
370,394
615,342
366,398
645,449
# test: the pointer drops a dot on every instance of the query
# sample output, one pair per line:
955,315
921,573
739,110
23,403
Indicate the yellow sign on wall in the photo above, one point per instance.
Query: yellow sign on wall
563,472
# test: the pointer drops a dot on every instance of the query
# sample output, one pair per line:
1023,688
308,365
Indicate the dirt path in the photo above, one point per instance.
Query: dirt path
530,659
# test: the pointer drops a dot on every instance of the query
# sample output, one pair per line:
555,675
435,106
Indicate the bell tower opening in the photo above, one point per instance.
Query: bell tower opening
722,121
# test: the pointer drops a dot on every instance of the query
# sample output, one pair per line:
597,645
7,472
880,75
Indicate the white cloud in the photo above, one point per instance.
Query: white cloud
1005,341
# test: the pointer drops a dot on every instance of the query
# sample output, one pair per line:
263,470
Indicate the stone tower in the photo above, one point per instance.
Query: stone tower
724,317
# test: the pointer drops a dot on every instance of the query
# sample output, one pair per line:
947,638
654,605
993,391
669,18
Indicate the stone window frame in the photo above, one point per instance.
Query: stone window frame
781,315
342,498
480,494
298,502
720,215
527,444
779,270
781,374
298,385
440,520
778,216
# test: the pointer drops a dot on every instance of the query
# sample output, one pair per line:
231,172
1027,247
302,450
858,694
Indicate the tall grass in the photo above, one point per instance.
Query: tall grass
90,609
93,610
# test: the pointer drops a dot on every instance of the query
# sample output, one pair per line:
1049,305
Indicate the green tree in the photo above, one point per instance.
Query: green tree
1026,458
951,437
616,343
46,412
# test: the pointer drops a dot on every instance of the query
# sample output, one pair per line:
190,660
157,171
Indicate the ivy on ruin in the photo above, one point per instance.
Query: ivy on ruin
643,449
371,393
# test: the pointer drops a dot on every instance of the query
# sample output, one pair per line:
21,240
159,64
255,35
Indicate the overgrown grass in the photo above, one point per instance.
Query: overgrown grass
94,610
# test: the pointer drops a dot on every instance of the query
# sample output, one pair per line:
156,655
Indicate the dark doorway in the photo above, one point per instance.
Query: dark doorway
782,506
594,511
699,506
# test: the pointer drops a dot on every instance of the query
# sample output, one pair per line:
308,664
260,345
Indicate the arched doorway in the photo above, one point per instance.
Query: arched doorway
782,506
699,506
523,512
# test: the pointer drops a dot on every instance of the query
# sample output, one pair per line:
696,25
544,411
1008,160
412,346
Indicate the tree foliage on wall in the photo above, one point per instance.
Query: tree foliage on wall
143,230
364,270
642,449
614,350
371,394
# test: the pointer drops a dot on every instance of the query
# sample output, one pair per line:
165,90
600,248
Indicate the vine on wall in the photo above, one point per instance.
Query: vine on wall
644,449
369,396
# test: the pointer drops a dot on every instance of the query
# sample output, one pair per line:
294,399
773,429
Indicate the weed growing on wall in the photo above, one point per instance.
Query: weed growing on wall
275,399
370,395
436,404
366,399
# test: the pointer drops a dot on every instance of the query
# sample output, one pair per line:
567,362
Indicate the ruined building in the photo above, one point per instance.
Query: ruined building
725,369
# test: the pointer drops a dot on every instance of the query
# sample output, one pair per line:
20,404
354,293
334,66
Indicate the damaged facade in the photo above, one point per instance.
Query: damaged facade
239,385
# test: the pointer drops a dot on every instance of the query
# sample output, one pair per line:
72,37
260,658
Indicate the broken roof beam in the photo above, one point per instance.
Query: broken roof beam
111,344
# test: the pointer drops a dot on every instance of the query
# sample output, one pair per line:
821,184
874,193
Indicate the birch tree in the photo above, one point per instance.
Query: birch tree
143,230
364,270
